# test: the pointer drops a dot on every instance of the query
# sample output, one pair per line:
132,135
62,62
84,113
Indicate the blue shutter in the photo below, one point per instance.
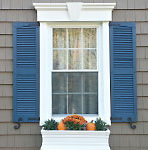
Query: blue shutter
26,72
123,71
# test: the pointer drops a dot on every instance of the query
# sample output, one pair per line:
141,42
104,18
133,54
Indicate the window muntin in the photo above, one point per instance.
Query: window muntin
74,74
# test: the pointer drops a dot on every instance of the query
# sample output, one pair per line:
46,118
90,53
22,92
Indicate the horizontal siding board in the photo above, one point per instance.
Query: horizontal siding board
6,90
2,65
131,143
28,141
142,103
5,28
6,103
16,4
142,115
145,77
140,4
142,40
135,15
139,78
5,40
2,53
143,27
18,15
142,65
3,129
20,141
142,78
5,65
122,4
141,52
9,54
26,129
126,142
3,141
8,66
5,53
131,4
5,4
124,129
5,116
145,90
141,15
138,27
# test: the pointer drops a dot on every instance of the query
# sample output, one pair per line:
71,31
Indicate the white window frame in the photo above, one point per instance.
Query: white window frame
70,15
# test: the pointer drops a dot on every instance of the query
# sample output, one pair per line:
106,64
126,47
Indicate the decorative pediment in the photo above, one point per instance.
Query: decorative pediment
74,11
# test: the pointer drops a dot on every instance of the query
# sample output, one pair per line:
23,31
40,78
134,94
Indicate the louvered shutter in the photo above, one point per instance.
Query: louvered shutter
26,72
123,71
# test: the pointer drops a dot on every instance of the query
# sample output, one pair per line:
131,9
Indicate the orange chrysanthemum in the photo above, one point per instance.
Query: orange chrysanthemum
75,118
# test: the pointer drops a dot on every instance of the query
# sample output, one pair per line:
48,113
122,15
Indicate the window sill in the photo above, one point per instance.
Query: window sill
65,140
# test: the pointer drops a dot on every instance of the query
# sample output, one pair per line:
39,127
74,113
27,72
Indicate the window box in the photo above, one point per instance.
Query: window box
72,140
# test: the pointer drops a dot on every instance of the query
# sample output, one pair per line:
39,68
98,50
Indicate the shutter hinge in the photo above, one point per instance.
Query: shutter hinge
18,123
131,123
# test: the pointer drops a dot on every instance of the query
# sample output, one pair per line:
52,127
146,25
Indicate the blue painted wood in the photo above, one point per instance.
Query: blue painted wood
26,72
123,71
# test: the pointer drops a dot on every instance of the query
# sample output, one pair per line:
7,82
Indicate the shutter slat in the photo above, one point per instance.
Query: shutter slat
26,71
123,72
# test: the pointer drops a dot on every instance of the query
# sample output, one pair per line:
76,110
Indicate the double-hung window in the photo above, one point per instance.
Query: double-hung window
74,60
74,71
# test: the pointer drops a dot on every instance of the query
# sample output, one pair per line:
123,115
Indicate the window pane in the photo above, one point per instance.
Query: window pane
89,38
75,104
79,90
59,82
91,82
59,59
59,104
74,82
74,59
90,61
59,38
90,104
74,36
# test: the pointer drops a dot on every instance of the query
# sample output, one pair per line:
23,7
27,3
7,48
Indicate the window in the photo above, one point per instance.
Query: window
75,71
74,55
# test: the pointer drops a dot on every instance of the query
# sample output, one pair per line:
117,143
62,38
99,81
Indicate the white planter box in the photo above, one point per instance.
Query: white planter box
75,140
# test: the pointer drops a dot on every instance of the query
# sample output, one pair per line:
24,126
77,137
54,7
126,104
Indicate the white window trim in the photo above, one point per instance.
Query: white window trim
93,14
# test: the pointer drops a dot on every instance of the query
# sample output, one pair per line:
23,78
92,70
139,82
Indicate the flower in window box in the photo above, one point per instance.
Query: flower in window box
75,122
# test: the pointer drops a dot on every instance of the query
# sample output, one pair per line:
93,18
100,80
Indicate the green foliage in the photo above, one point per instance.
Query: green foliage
101,125
70,125
50,125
